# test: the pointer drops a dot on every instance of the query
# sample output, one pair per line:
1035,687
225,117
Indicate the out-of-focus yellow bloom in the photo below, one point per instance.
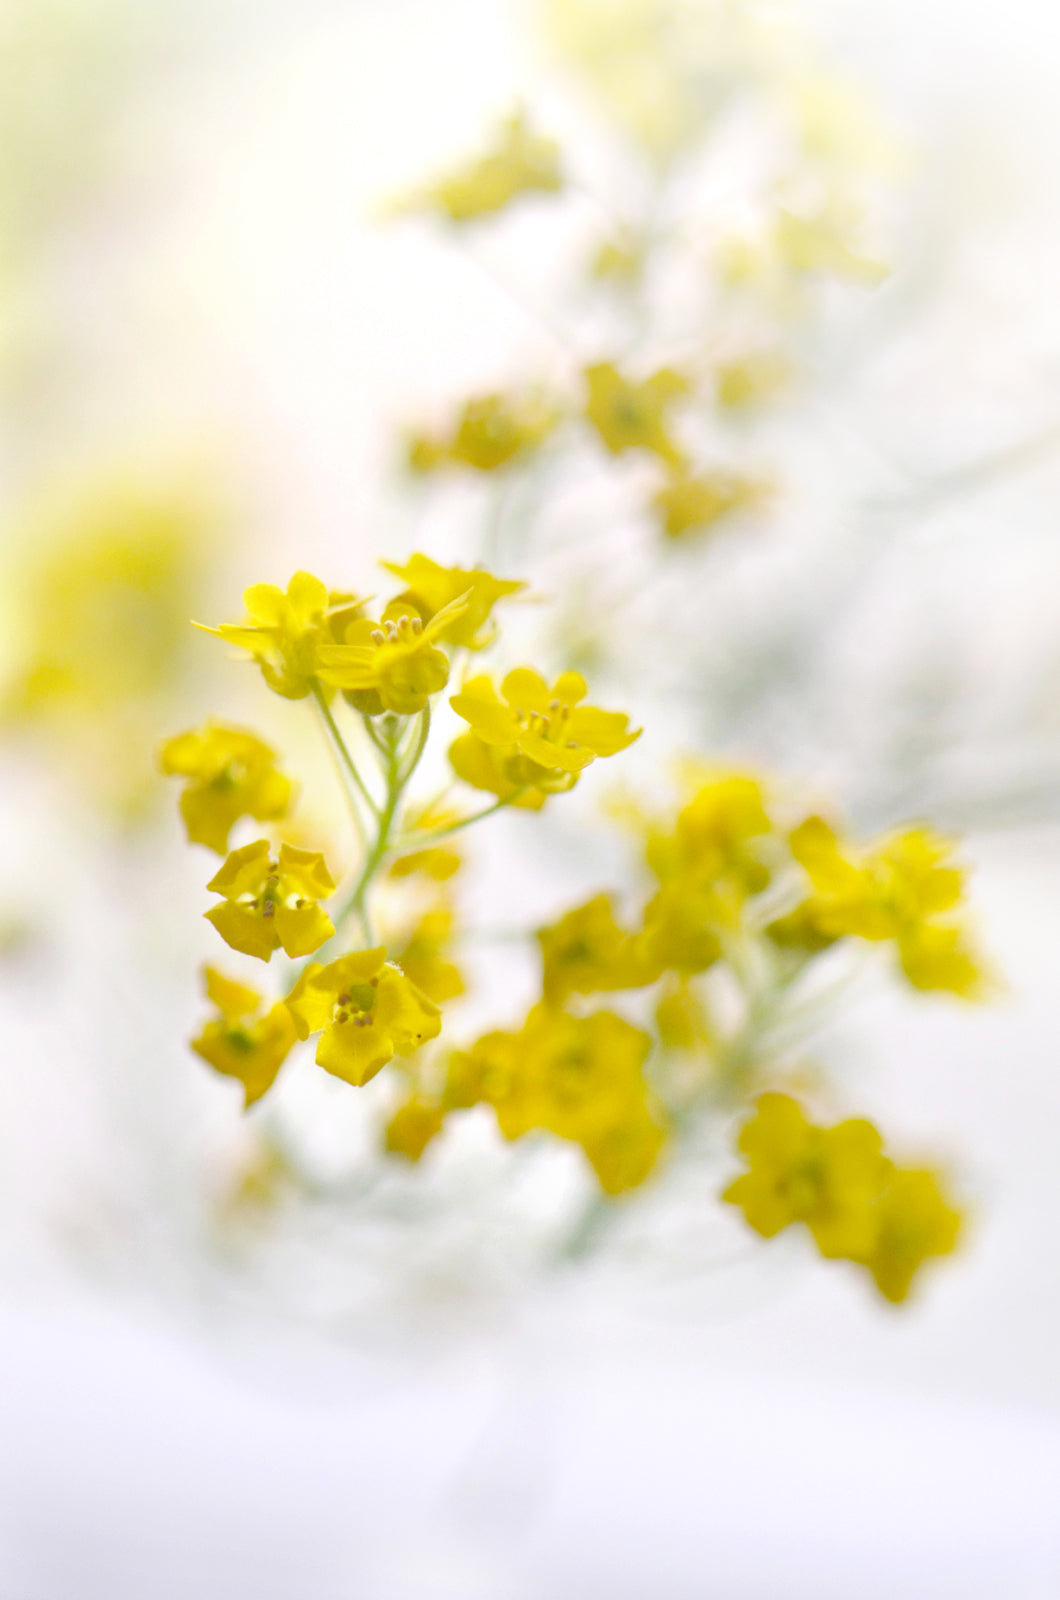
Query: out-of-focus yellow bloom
581,1078
664,69
431,588
369,1012
915,1223
421,957
829,1178
232,775
752,380
288,630
690,503
898,889
542,737
854,1200
617,263
521,163
439,863
821,244
271,904
482,1073
492,431
633,416
681,1018
586,952
412,1127
241,1043
393,664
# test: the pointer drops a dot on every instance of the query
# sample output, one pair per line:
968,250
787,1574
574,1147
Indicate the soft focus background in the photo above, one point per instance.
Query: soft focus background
210,342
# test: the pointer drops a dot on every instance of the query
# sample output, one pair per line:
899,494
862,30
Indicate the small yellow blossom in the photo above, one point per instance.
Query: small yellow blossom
623,1156
431,589
271,904
288,629
439,863
693,502
240,1043
393,664
484,1072
681,1018
752,380
486,767
231,775
586,952
829,1178
542,737
633,416
915,1223
422,961
521,162
493,430
368,1010
412,1127
820,244
898,889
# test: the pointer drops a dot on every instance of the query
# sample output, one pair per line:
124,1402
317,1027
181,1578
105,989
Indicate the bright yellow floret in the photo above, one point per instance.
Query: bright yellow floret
393,664
271,903
587,952
287,630
366,1011
431,589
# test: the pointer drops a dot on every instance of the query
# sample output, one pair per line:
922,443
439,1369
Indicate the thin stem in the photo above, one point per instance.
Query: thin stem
345,759
398,776
421,841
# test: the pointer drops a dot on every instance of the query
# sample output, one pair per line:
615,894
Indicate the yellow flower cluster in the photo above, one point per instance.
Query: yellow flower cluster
857,1204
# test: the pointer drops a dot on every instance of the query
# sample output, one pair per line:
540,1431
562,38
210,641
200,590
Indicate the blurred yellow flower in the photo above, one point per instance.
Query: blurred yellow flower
412,1127
439,863
690,503
916,1222
421,957
231,775
369,1012
239,1042
271,904
829,1178
752,379
586,952
431,588
633,416
521,163
492,431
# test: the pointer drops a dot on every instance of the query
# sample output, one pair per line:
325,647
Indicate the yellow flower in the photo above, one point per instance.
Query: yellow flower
438,863
431,589
897,889
492,431
422,961
681,1018
393,664
915,1223
690,503
521,162
752,379
240,1043
541,737
269,904
231,775
632,416
820,244
288,629
412,1127
829,1178
482,1073
624,1155
586,952
368,1011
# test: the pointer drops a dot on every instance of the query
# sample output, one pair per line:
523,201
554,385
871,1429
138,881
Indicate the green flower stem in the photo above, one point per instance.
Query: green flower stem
345,761
422,841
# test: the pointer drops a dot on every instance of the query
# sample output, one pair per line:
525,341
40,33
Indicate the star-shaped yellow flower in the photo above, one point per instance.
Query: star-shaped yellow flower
272,903
368,1012
633,416
586,952
239,1042
287,630
431,589
916,1222
541,738
231,775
